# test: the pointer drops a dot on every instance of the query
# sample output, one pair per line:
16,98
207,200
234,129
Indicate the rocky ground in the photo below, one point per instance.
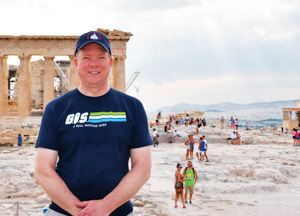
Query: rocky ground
259,177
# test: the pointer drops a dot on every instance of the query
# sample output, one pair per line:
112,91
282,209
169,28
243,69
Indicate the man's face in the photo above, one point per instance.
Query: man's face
190,164
93,64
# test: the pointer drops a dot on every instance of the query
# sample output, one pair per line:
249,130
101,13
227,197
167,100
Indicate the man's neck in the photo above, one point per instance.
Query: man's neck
93,92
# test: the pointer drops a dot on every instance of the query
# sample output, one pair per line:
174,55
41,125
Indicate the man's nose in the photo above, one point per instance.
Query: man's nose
94,63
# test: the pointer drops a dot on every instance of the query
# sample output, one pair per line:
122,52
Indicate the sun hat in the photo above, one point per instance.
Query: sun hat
93,37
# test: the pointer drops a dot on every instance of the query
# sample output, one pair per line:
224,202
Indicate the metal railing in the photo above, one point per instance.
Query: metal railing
18,209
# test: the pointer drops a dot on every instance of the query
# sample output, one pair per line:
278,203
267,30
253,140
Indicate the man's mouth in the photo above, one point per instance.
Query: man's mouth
94,72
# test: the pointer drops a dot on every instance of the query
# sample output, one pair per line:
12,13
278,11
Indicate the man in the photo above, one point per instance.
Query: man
19,140
205,149
93,131
155,137
201,149
191,177
232,121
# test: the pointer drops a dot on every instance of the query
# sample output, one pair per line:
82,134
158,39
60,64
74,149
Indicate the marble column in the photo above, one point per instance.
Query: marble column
48,81
113,74
24,84
3,85
120,73
73,75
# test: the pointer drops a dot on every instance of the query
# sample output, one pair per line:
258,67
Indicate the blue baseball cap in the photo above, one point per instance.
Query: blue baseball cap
93,37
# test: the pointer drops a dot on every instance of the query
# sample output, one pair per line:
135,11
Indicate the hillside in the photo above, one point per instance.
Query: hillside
253,114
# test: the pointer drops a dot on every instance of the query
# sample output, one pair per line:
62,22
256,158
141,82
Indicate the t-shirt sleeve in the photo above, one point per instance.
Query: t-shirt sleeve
47,136
141,135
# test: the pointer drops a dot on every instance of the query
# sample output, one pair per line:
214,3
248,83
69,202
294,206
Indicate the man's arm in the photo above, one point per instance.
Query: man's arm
126,189
196,176
51,182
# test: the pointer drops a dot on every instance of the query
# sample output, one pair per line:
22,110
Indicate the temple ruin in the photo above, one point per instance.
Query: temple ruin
24,98
287,117
25,90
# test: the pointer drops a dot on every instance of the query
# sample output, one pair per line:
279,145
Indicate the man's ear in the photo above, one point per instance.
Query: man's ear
75,62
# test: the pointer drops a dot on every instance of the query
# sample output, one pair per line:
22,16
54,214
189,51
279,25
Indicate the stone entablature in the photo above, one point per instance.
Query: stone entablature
49,47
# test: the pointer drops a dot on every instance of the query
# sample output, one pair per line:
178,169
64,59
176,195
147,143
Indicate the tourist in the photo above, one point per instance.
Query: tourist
205,147
92,132
233,137
170,135
204,122
155,137
286,131
192,141
177,119
232,121
19,140
201,150
191,177
187,120
177,133
236,123
188,147
197,125
179,179
295,136
181,121
222,120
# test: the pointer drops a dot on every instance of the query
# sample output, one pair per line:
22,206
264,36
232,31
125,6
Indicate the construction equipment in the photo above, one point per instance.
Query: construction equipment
131,80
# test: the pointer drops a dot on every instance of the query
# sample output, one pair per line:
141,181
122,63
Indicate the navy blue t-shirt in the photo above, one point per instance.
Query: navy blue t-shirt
93,137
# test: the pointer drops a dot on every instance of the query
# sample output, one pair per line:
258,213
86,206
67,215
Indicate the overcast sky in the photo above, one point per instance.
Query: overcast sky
188,51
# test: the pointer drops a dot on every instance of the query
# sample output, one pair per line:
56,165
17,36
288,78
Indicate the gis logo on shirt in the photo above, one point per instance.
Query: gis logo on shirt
95,117
77,118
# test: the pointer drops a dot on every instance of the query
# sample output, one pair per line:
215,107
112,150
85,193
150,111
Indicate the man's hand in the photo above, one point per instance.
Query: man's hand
93,208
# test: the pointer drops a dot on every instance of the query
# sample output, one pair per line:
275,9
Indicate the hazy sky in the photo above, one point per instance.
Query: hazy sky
188,51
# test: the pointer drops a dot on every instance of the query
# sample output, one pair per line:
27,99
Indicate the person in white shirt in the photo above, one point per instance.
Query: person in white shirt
155,137
233,137
177,133
170,136
236,123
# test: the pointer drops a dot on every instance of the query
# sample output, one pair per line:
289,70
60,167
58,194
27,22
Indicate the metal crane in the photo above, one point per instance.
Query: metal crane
131,80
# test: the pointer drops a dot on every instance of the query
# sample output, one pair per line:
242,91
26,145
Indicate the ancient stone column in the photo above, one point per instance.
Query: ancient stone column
3,85
48,81
73,75
112,82
287,115
120,73
24,93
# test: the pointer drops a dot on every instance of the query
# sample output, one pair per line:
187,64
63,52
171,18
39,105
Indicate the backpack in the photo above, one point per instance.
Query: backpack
186,169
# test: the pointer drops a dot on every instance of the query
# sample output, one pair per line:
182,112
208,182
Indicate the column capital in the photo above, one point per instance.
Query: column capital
49,57
120,57
4,57
24,57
